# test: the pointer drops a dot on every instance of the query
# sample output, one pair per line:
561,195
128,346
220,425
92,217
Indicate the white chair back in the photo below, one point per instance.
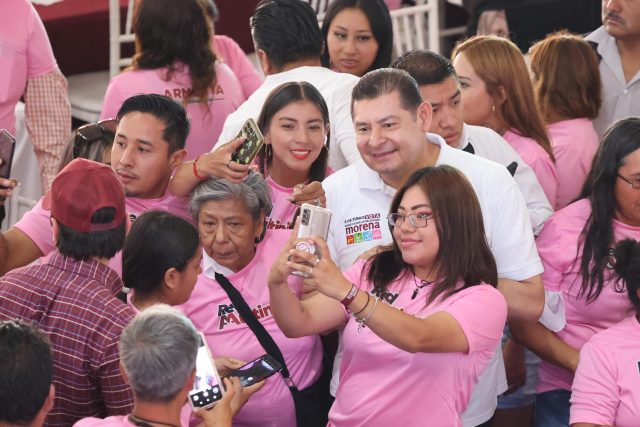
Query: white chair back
416,27
119,36
16,206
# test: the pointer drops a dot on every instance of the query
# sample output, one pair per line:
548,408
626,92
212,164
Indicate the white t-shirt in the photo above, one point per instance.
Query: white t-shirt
336,90
359,223
488,144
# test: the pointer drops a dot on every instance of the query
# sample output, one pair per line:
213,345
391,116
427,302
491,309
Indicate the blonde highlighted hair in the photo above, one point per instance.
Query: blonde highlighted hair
500,65
566,77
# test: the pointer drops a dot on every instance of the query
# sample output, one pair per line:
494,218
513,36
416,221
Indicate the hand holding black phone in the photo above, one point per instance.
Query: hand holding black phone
256,370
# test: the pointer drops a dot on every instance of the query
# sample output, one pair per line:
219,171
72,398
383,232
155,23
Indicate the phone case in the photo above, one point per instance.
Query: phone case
252,145
206,395
7,147
314,221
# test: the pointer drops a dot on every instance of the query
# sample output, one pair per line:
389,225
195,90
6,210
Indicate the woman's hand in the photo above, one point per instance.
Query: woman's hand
225,365
322,273
312,193
280,270
6,187
218,163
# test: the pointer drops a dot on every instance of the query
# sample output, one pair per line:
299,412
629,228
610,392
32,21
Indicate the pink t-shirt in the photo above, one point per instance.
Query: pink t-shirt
283,210
574,144
36,223
25,53
228,51
206,125
381,385
606,389
538,160
116,421
213,314
557,245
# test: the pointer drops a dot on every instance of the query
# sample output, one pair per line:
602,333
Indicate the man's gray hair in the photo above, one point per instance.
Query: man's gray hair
253,192
158,350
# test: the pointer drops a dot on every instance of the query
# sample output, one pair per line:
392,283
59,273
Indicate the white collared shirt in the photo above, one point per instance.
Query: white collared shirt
620,98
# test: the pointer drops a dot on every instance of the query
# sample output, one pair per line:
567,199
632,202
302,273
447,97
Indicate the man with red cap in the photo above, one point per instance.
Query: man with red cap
71,297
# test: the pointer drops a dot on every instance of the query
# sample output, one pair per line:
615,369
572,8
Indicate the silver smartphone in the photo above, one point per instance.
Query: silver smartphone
207,388
314,221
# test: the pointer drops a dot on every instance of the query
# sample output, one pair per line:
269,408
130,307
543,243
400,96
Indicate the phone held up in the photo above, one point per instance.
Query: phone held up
252,144
207,388
7,147
256,370
314,221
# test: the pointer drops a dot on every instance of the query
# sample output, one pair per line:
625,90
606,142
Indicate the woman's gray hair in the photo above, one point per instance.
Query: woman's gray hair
253,192
158,350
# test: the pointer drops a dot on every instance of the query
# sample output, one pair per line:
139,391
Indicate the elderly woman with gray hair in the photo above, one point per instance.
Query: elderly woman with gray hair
158,352
237,258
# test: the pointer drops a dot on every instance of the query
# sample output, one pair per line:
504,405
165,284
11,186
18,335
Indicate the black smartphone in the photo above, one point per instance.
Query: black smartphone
252,144
7,147
256,370
207,388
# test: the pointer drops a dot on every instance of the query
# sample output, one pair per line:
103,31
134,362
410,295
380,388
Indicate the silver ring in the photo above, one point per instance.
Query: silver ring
311,272
316,202
316,261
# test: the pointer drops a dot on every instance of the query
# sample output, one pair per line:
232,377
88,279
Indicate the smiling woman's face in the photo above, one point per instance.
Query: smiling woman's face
228,232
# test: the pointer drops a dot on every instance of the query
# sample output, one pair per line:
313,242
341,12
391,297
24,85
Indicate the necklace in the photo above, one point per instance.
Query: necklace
141,422
418,287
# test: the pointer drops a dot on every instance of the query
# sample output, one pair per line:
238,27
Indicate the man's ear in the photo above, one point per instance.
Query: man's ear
177,157
265,63
425,115
124,374
55,228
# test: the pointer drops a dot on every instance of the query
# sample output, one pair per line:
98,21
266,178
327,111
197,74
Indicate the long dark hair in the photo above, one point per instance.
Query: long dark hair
278,99
377,14
627,265
170,31
157,242
464,253
620,140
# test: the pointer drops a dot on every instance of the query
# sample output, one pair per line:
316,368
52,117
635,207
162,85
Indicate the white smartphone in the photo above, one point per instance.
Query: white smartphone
207,388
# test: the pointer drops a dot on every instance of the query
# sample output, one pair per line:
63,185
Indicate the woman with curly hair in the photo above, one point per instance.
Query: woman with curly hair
174,58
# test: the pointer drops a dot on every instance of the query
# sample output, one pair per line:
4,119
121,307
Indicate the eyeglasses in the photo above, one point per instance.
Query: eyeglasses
417,220
92,132
634,183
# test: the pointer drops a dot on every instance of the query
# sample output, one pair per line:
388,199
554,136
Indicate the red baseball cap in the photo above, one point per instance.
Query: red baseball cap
79,190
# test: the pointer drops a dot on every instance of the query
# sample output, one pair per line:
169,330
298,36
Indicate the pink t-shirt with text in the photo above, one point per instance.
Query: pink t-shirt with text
574,144
228,51
538,160
381,385
36,223
206,125
557,246
25,53
606,389
213,314
283,210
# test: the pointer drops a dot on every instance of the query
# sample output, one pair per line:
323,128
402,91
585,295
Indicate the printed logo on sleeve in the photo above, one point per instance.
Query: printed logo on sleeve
364,228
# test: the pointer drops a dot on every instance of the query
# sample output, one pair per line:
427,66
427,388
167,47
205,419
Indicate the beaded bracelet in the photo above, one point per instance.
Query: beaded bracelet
350,296
195,170
361,322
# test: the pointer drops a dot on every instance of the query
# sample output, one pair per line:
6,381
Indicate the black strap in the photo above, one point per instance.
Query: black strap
469,149
256,327
512,168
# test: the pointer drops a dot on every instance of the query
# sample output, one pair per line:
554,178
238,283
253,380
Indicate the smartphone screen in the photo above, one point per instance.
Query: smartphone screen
257,370
207,389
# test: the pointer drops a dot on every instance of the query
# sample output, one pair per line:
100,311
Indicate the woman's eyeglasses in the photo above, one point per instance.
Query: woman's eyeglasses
418,220
92,132
634,183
